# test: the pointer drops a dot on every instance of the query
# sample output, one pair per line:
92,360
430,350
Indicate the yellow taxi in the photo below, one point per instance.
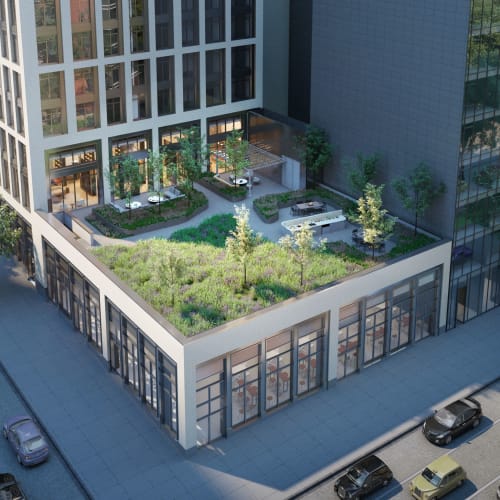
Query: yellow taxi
437,479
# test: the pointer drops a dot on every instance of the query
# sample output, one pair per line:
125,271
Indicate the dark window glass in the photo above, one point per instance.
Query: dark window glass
164,24
242,19
165,75
215,77
191,81
190,23
242,73
214,21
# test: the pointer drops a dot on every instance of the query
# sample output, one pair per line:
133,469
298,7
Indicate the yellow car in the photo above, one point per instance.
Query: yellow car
437,479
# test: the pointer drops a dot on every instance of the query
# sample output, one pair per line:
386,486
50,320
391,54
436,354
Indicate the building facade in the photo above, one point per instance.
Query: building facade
418,82
85,82
107,78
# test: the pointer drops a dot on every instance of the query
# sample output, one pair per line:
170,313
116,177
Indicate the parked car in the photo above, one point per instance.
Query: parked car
26,440
498,492
452,420
437,479
364,477
9,488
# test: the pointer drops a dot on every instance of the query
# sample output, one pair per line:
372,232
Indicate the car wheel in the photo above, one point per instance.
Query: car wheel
4,432
19,459
475,423
447,440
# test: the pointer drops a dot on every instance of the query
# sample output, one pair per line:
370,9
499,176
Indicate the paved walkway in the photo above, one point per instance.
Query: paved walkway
119,452
218,205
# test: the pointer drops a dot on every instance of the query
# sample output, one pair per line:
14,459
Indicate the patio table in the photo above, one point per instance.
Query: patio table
312,206
156,199
133,204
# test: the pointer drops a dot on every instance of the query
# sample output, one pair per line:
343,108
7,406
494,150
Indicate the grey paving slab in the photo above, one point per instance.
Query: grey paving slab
119,451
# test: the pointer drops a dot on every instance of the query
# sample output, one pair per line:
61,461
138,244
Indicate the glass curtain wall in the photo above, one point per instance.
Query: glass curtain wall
388,321
150,373
74,294
476,250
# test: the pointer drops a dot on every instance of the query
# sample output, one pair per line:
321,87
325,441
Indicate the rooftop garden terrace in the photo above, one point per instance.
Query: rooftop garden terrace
191,280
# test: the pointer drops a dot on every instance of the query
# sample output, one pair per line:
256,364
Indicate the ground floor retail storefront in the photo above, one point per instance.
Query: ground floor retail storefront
206,387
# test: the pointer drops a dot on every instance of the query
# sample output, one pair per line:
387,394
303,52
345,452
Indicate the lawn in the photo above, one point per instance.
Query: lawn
209,290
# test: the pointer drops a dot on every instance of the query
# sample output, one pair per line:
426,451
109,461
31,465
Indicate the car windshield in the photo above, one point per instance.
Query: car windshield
34,444
19,423
357,476
431,477
445,417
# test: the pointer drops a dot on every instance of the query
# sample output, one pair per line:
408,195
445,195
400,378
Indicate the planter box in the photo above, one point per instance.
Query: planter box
212,185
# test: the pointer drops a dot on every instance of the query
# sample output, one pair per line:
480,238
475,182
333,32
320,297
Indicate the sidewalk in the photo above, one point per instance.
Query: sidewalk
119,451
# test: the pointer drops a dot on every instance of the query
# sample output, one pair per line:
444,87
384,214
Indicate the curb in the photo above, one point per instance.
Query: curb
53,442
309,486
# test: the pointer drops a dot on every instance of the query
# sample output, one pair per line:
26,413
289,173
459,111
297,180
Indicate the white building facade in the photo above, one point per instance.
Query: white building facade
85,82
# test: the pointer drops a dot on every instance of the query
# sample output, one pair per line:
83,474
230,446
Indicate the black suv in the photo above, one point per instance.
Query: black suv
364,477
9,488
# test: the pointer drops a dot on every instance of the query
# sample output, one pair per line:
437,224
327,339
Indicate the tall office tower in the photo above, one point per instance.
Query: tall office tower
388,77
85,82
475,281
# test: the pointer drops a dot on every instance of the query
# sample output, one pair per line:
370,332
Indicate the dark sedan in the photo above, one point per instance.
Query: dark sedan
363,478
452,420
26,440
9,488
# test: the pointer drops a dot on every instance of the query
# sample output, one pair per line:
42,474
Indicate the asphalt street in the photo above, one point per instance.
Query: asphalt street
50,480
477,451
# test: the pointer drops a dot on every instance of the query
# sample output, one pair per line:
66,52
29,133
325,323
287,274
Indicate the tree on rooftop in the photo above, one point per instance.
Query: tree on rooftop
156,168
9,230
315,150
418,190
236,154
376,225
300,245
170,271
243,240
191,158
362,172
125,178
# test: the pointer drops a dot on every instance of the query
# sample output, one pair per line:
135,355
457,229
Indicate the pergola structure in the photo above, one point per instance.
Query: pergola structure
258,159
